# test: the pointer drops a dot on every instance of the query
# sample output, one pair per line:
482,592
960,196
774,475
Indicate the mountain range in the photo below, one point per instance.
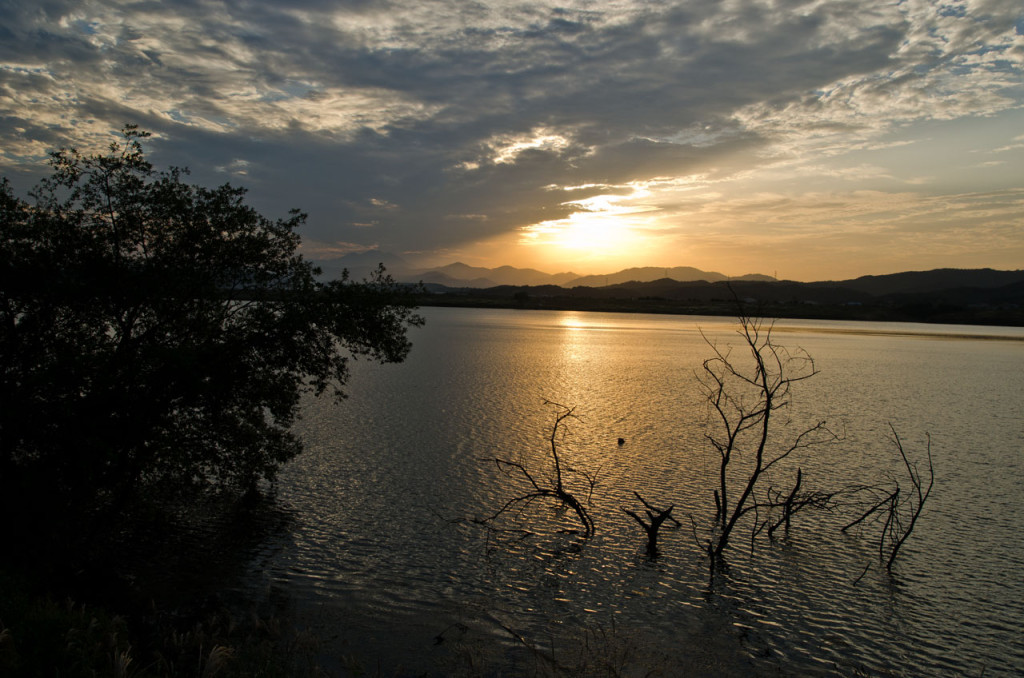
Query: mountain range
463,276
969,296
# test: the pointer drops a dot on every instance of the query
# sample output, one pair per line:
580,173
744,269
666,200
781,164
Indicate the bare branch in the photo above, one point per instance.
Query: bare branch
914,511
556,489
897,511
655,519
743,393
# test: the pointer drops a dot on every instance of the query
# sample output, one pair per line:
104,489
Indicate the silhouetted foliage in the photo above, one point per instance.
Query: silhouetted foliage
157,336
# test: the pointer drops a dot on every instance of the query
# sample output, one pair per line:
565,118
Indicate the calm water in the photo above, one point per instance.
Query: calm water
380,561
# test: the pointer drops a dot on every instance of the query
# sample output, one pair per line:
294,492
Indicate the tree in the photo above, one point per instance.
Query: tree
655,519
554,487
157,336
898,513
745,394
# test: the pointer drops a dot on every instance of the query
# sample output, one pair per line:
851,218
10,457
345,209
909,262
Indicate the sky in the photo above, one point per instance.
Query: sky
815,140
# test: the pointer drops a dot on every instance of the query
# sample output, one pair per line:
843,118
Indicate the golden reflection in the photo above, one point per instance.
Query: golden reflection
575,341
573,321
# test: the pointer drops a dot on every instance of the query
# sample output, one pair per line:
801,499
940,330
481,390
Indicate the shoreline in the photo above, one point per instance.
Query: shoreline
727,308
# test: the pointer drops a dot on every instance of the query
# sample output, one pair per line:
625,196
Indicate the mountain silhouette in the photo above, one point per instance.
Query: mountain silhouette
953,296
361,264
476,277
941,295
458,274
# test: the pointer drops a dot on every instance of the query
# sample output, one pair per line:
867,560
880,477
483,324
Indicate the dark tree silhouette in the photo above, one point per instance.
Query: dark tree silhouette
156,337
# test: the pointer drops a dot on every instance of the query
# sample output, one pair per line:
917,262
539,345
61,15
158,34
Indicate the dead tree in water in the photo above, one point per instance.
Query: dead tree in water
743,394
781,507
554,487
652,525
897,512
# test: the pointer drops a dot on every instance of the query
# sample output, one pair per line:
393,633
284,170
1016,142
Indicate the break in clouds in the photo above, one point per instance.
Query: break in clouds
426,127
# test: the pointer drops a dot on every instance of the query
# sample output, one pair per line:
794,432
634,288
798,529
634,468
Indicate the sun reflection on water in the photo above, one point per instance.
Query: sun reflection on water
387,473
574,344
573,321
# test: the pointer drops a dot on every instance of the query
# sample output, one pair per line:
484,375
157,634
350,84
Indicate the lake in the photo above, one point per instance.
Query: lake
381,559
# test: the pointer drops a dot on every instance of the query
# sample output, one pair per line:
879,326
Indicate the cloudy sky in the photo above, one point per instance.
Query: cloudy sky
809,139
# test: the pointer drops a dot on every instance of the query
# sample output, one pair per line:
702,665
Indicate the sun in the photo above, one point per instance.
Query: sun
596,234
602,230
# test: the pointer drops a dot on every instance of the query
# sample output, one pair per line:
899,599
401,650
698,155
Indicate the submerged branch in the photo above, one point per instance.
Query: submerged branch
898,512
655,519
555,489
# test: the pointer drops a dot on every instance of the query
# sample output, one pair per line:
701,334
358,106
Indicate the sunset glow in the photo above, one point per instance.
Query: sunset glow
603,230
820,140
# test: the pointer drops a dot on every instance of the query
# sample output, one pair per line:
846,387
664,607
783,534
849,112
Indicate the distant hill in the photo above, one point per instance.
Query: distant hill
648,274
912,282
946,294
457,271
476,277
978,296
703,291
438,277
458,274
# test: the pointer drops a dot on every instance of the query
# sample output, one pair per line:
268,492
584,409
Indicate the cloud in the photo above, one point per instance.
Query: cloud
441,109
838,235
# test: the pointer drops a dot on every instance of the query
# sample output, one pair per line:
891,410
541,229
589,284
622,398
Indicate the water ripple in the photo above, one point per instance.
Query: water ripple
384,496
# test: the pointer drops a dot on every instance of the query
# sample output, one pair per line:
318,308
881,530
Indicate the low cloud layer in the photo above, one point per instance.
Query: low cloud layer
700,132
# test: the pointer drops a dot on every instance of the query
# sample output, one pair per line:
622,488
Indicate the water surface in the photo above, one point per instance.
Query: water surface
383,562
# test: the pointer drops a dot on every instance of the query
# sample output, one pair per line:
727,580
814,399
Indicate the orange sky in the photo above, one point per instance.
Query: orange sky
812,140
